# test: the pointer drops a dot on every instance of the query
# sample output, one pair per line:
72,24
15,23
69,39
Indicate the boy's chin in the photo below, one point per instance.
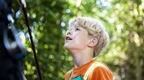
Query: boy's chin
67,46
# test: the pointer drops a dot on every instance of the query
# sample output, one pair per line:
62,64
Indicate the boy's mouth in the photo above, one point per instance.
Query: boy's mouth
68,38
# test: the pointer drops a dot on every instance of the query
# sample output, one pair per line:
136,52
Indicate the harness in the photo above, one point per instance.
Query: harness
87,74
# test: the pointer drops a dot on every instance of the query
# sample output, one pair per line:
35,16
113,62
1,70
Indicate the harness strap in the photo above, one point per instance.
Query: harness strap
89,71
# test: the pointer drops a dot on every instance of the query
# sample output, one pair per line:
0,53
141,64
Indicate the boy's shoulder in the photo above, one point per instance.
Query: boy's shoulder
98,71
96,65
95,69
99,67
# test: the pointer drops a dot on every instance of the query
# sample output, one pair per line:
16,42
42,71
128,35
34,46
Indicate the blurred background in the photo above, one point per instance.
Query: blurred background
123,19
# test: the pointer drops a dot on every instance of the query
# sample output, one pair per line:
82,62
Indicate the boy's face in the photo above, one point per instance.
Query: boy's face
76,38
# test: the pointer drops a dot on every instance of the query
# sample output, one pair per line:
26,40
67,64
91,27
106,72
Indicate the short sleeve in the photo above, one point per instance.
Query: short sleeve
101,73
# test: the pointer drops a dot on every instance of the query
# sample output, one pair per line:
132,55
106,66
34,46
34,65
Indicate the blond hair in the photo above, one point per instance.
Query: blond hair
94,28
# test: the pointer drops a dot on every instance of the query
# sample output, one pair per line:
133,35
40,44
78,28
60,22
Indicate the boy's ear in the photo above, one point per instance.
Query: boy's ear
93,42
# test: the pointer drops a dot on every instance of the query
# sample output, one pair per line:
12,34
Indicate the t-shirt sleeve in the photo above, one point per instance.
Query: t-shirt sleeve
101,73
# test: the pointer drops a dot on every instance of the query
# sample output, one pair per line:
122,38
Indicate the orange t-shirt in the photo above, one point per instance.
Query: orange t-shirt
101,72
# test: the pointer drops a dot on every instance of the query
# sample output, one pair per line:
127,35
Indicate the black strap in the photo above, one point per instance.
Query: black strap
31,38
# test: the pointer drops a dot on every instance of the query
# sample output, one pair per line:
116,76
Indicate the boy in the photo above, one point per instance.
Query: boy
85,39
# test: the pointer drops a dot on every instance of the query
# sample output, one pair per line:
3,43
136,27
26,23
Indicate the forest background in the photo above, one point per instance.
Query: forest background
123,19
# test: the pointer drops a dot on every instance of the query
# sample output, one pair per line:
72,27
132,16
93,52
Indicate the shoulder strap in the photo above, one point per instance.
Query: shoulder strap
89,71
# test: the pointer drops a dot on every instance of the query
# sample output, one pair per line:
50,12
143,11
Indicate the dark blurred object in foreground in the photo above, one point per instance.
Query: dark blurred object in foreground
10,62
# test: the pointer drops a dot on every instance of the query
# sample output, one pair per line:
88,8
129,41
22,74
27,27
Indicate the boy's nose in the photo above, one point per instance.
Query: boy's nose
68,33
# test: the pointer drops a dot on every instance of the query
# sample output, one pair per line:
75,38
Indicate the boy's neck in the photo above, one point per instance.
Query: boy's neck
82,58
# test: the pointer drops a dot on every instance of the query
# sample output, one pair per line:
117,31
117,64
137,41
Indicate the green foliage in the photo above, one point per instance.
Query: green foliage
47,18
